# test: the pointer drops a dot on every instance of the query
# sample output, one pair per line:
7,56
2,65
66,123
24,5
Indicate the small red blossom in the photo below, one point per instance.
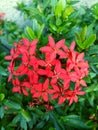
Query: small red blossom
41,90
50,77
53,48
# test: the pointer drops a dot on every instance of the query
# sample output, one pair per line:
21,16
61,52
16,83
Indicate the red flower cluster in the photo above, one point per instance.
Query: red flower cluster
59,75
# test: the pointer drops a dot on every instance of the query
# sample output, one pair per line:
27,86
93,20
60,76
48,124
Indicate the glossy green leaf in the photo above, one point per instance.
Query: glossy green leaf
91,99
3,71
12,105
25,114
59,8
53,27
54,120
83,33
23,124
92,88
2,96
93,49
75,122
89,40
76,117
16,119
1,112
40,124
41,30
31,33
95,10
67,11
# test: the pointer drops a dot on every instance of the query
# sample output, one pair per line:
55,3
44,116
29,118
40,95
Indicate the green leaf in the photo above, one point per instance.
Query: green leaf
83,33
23,124
54,120
93,60
91,98
53,27
75,121
93,49
51,128
59,8
1,112
58,21
3,71
12,105
92,88
25,114
40,124
35,26
2,96
41,30
89,41
2,128
16,119
95,10
78,40
67,11
71,117
31,33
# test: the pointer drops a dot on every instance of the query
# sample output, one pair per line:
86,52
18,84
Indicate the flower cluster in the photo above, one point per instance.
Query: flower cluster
56,75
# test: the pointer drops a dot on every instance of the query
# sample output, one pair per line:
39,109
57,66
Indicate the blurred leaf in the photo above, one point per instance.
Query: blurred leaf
35,25
3,72
53,27
83,33
59,8
92,88
16,119
54,120
31,33
93,49
2,128
89,40
2,96
58,21
40,124
67,11
95,10
93,60
51,128
41,30
23,124
1,112
25,114
11,104
91,98
75,121
71,117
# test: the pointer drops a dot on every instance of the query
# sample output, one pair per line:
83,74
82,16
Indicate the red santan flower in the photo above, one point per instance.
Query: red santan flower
49,78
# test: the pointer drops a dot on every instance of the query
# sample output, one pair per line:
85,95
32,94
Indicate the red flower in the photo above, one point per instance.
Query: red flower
11,70
53,48
59,92
41,90
13,55
72,96
59,73
18,87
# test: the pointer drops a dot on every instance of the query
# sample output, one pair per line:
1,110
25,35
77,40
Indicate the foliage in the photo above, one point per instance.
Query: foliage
63,20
